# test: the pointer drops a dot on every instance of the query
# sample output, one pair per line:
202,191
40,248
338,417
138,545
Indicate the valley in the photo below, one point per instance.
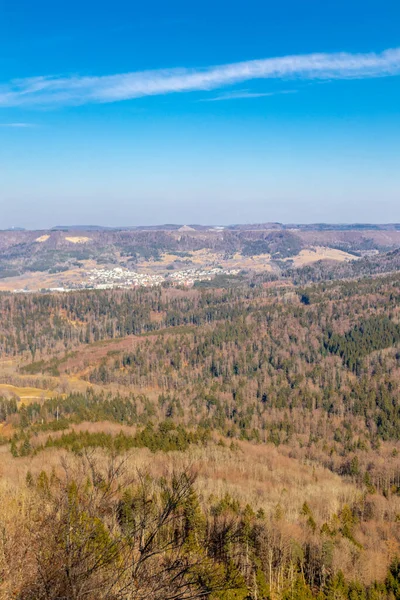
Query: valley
64,259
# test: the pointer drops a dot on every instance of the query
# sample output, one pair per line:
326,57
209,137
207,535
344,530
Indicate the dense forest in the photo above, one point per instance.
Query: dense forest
257,430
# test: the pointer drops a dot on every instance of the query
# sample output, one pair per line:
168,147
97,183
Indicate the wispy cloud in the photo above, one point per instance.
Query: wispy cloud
44,91
239,94
17,125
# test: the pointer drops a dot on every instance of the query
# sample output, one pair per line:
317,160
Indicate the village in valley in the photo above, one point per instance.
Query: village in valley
118,277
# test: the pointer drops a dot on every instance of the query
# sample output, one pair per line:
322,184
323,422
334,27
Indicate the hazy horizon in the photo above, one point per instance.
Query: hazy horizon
83,226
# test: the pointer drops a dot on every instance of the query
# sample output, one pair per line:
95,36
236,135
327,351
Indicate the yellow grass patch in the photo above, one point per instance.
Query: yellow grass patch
310,255
25,394
42,238
78,239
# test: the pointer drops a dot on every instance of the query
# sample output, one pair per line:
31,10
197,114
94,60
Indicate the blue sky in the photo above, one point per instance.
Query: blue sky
127,113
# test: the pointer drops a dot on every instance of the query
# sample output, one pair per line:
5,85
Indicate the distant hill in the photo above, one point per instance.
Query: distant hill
80,228
233,227
67,248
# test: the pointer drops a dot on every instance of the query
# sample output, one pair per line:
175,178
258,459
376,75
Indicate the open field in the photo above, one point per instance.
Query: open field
314,254
24,394
77,239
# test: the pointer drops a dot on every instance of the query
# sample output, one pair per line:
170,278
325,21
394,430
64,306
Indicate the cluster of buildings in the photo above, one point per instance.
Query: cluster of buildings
109,278
103,279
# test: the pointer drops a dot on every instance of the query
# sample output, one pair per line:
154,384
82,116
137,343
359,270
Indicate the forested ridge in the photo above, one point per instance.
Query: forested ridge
224,377
386,262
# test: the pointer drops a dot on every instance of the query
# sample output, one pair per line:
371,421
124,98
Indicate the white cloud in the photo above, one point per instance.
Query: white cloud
44,91
17,125
239,94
